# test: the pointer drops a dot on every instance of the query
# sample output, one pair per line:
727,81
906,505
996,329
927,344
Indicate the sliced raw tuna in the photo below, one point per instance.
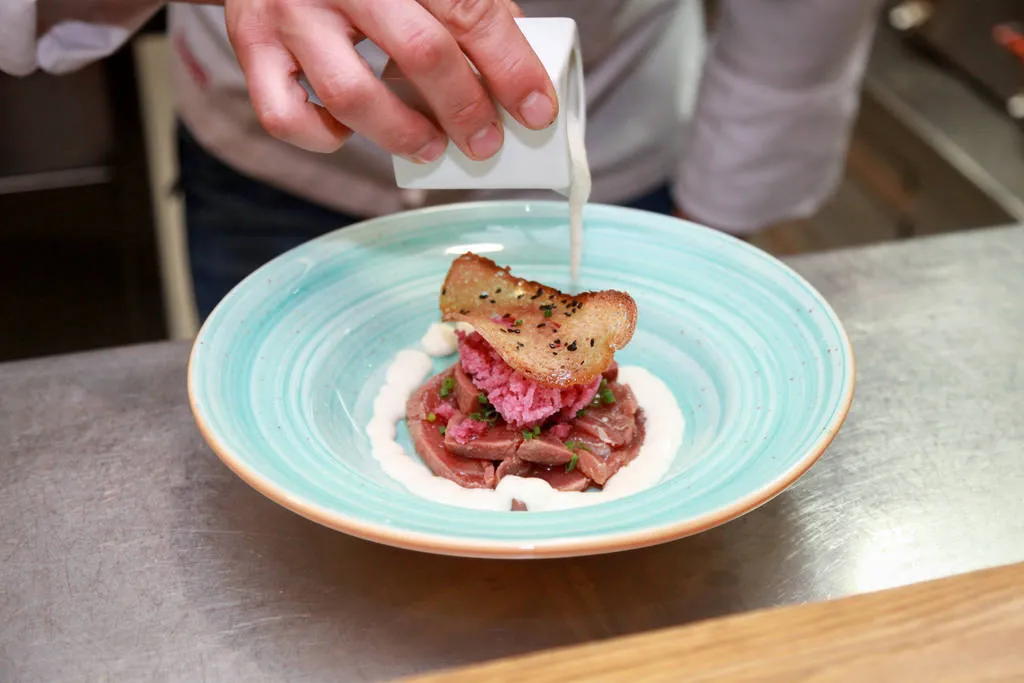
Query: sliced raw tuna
466,472
513,467
613,424
496,443
467,396
544,450
556,476
599,462
478,454
427,399
562,480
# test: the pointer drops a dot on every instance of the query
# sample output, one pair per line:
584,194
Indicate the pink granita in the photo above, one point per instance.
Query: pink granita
560,431
444,410
464,430
522,402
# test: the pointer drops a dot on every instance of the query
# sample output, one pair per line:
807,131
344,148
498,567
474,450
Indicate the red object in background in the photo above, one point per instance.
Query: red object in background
1011,37
195,69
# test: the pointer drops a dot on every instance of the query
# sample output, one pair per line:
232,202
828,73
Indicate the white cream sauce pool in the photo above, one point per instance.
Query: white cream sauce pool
411,368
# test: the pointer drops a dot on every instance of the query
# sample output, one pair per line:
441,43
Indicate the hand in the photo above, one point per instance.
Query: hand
429,41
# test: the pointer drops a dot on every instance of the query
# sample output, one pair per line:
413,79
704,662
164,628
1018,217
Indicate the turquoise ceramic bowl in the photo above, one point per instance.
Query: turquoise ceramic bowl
283,374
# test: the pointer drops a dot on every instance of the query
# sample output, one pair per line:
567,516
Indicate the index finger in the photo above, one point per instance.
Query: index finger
487,32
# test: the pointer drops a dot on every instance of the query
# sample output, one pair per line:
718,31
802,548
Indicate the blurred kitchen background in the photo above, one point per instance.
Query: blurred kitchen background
92,249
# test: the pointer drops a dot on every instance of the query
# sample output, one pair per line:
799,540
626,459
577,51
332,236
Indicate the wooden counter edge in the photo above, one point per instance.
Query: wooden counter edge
964,628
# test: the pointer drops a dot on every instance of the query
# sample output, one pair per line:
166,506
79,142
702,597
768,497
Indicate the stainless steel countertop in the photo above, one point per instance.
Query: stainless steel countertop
970,133
129,552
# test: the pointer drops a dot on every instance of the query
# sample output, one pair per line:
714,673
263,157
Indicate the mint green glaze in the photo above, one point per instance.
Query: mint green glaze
284,372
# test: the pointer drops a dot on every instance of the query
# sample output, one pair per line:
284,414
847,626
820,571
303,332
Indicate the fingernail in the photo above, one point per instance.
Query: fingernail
430,151
486,142
537,110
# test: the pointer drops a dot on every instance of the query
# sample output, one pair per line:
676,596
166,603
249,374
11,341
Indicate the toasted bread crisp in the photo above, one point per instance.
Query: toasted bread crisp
555,339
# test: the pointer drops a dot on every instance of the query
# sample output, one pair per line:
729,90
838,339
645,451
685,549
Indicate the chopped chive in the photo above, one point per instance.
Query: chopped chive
604,394
431,417
547,312
481,397
447,386
581,413
571,465
442,429
519,321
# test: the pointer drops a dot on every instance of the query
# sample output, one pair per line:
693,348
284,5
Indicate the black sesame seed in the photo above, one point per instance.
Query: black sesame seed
591,343
498,290
464,311
571,347
492,301
541,325
483,295
553,346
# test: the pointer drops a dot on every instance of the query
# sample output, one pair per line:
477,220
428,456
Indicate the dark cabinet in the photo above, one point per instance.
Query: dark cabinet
78,260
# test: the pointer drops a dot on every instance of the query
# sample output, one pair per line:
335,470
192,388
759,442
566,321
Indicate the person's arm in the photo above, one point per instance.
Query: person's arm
778,98
429,40
61,36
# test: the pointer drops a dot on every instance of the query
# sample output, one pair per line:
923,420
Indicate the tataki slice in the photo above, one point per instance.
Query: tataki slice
556,339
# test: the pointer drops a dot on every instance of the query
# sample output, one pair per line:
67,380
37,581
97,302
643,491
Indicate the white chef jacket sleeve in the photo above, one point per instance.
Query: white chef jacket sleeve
60,36
777,100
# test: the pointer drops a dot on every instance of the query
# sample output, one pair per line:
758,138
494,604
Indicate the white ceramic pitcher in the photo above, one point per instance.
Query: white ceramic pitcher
528,159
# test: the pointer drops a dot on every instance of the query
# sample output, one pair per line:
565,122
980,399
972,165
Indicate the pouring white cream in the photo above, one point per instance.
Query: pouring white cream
553,159
579,192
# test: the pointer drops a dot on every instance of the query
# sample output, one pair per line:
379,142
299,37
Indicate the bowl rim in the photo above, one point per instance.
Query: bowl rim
568,546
